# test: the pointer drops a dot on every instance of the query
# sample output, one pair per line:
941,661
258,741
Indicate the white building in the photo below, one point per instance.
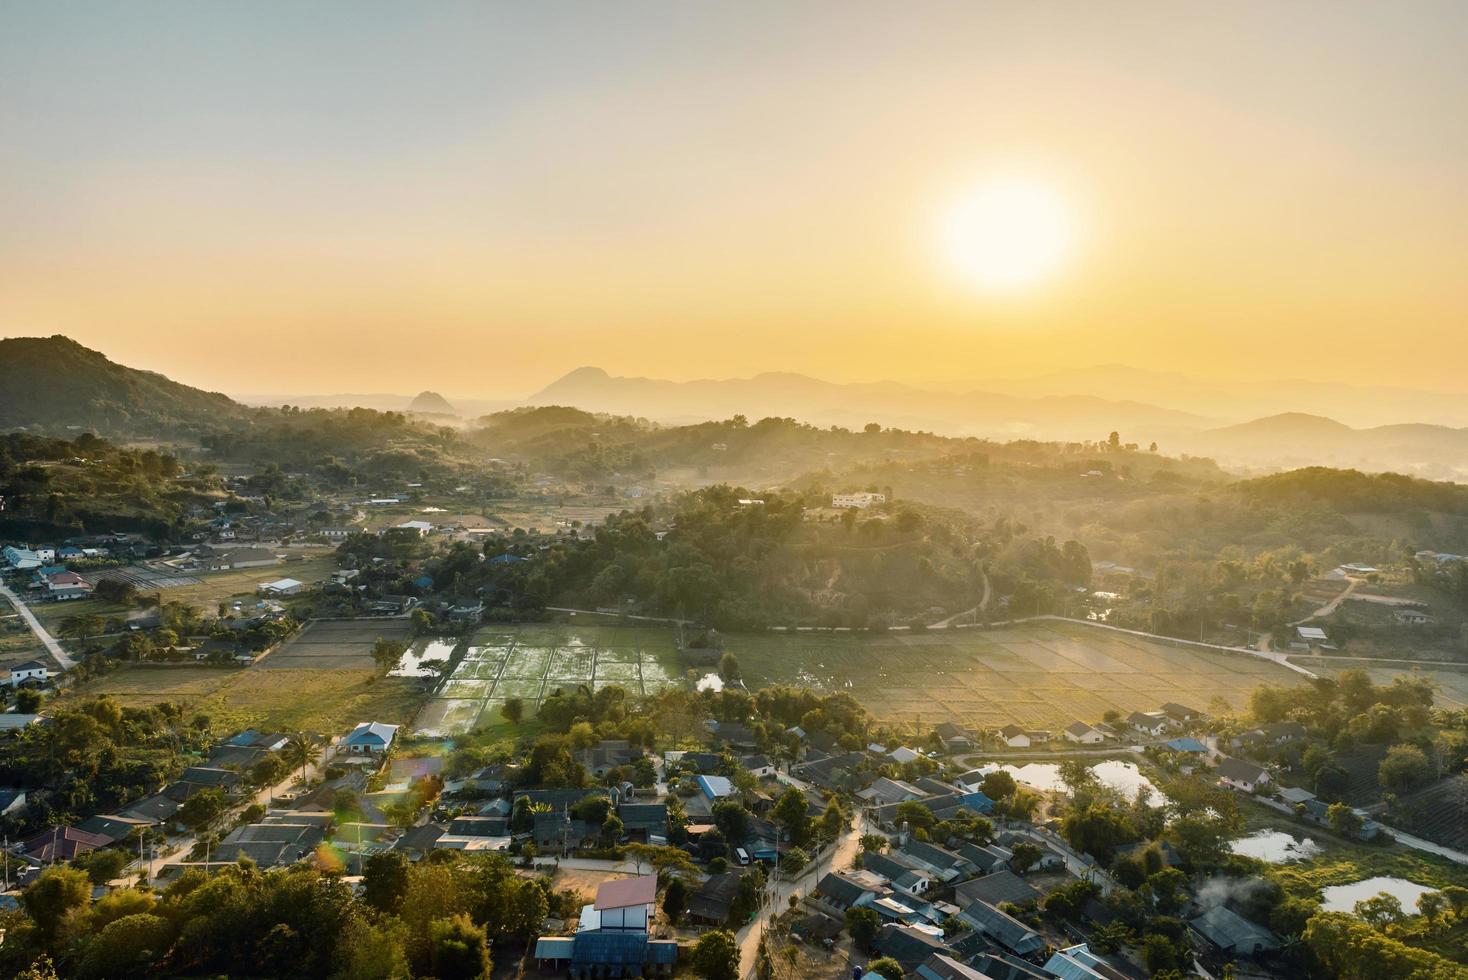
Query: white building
283,586
1083,734
420,528
861,501
30,670
1015,737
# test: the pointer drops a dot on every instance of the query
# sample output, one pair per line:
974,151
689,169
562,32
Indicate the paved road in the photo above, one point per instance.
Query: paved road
943,624
777,895
47,640
179,847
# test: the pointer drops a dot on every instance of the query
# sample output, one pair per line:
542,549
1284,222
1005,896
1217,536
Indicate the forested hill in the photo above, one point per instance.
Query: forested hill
722,556
583,445
54,384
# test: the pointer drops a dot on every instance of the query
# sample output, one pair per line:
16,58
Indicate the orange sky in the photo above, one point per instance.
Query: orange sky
479,198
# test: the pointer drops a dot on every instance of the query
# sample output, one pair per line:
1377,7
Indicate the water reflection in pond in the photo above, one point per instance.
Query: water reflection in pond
1343,898
411,664
710,682
1124,777
1275,846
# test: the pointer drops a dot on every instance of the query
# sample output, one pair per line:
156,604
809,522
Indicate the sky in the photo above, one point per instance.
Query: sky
477,198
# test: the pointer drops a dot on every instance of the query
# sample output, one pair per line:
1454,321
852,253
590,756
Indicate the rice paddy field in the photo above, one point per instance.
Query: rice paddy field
1036,675
530,661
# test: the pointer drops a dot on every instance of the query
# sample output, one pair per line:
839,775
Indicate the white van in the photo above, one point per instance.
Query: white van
741,855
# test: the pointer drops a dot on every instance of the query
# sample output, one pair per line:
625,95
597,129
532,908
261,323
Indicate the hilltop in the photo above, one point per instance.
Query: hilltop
431,403
55,384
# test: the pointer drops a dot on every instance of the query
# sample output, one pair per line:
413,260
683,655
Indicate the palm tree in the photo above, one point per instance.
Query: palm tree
300,752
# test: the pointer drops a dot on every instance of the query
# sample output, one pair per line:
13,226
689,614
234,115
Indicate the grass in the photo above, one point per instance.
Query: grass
217,587
322,701
1342,861
51,614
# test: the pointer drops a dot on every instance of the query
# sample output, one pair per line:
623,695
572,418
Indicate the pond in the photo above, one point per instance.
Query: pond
1343,898
1122,776
411,664
1275,846
711,682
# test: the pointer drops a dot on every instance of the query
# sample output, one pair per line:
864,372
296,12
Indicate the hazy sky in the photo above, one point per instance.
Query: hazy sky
321,197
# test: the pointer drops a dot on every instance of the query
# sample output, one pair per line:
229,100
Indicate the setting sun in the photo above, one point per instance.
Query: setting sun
1008,234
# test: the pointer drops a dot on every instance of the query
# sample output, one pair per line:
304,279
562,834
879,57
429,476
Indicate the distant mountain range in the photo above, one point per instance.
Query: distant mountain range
1246,398
1297,439
1063,417
56,385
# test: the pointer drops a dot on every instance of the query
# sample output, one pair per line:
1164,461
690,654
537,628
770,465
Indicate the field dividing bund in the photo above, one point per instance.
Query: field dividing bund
528,662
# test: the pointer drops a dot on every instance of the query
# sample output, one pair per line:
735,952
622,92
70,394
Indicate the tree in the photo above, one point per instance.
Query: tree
103,865
732,819
915,814
199,810
873,842
385,881
1380,910
863,924
459,950
50,897
887,967
1077,775
998,785
513,710
675,900
794,860
1025,855
1403,767
422,621
792,812
729,668
28,701
716,956
129,947
1343,820
386,653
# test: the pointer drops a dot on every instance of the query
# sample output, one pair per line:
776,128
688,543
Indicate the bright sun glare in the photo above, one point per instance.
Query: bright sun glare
1008,234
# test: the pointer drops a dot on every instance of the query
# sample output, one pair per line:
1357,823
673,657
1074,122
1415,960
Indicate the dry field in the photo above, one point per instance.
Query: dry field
321,701
334,643
1035,675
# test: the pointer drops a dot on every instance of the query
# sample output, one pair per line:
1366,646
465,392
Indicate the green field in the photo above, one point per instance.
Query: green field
1036,675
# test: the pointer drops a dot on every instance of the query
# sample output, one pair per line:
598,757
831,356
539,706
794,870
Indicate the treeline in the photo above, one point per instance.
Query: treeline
437,918
55,487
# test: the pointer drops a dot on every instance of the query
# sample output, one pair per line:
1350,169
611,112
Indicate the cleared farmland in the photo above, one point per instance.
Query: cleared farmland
335,643
321,701
1035,675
